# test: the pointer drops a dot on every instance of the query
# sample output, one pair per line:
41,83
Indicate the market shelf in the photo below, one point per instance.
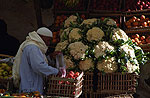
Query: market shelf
138,11
135,30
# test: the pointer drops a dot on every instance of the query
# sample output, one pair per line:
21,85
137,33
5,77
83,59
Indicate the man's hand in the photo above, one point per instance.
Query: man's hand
59,74
53,55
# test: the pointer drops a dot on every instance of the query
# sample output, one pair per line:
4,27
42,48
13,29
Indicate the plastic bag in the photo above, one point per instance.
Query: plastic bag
60,64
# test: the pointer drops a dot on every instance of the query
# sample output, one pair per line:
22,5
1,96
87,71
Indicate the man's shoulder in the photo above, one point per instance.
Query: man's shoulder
31,46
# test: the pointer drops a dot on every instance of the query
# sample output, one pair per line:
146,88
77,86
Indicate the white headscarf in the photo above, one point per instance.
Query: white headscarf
35,39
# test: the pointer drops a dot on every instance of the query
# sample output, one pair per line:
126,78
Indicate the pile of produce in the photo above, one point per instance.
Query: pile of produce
137,5
137,22
140,39
5,70
98,44
34,94
112,5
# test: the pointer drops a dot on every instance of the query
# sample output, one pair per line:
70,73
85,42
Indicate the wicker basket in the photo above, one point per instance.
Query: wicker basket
60,87
88,82
6,84
99,95
116,83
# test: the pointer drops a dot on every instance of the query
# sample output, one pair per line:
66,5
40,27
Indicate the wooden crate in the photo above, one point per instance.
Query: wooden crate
64,87
6,84
116,83
88,82
99,95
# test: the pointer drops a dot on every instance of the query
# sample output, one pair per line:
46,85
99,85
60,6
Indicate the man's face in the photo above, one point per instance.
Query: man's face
47,40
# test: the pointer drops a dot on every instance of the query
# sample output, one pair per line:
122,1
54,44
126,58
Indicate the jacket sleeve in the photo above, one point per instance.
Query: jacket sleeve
38,63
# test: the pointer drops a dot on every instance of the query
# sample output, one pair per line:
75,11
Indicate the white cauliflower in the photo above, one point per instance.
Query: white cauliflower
94,34
89,21
128,50
69,63
65,32
86,64
77,50
71,19
111,22
119,34
132,67
108,66
61,45
101,48
74,35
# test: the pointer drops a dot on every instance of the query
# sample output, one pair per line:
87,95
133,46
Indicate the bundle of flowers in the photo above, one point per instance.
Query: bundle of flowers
100,44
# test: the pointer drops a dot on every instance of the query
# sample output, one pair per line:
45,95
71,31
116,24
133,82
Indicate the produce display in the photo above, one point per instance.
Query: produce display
70,75
61,18
5,70
35,94
112,5
138,22
115,19
69,86
70,4
95,43
140,39
137,5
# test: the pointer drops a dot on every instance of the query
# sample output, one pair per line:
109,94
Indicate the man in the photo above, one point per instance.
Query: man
31,65
8,44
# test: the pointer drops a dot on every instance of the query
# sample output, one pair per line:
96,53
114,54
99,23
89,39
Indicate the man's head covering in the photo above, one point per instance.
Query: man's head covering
45,32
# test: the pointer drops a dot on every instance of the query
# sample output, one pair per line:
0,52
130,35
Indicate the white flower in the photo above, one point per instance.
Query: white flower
61,45
101,48
74,35
111,22
69,63
119,34
89,21
86,64
108,66
77,50
95,34
132,67
71,19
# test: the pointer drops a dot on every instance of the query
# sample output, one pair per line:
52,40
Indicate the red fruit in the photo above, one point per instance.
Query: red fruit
142,37
137,35
67,82
74,93
133,40
142,17
71,72
77,74
148,39
60,82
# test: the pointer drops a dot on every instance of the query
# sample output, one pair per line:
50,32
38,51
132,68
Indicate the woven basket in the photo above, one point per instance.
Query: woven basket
88,82
2,56
99,95
60,87
6,84
116,83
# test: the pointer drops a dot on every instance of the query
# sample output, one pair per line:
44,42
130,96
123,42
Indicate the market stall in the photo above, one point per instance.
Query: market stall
104,48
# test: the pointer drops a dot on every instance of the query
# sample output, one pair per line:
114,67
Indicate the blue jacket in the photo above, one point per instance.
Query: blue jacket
33,68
